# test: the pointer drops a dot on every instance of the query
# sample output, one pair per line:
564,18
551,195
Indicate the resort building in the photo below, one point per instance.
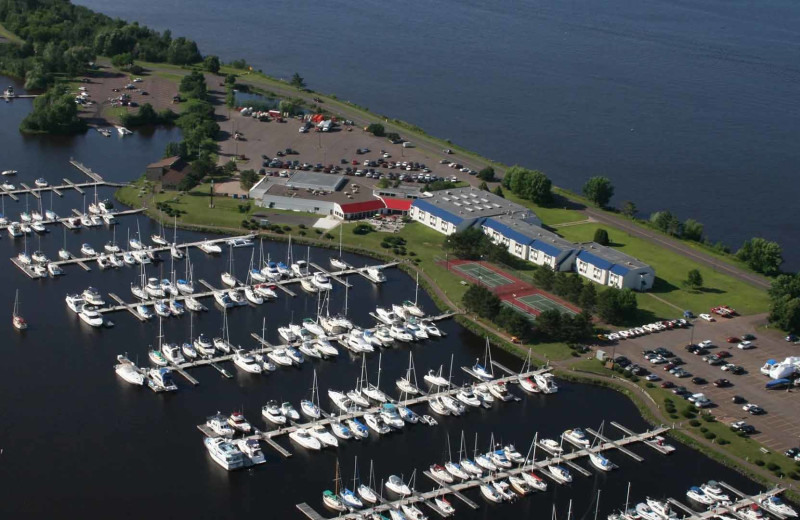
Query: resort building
608,266
448,211
169,172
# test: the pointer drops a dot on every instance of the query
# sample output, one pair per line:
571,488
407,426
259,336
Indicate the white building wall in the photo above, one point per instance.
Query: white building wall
591,272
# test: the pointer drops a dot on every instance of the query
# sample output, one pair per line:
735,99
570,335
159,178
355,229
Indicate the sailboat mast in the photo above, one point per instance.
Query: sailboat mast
597,505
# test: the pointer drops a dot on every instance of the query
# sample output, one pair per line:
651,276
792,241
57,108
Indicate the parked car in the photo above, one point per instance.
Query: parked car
732,339
792,338
680,390
699,381
748,337
745,345
667,384
661,351
706,343
722,354
652,377
753,409
741,426
707,317
722,383
738,399
792,452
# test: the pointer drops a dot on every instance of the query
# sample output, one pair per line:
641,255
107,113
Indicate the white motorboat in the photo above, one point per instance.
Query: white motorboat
265,291
287,335
173,354
551,446
295,355
141,257
430,328
528,384
300,269
752,513
471,467
224,453
715,491
289,411
14,230
88,250
661,508
600,462
396,485
453,405
189,350
75,302
436,379
386,316
322,282
645,513
38,227
210,248
153,288
490,493
144,312
219,424
503,489
437,405
412,512
193,305
483,393
92,296
325,437
512,454
204,346
251,449
375,274
534,481
546,383
128,371
223,299
90,316
24,258
325,348
384,335
413,328
162,308
560,474
240,242
777,506
280,357
391,416
111,247
39,257
341,400
246,362
54,269
576,436
9,92
697,494
272,412
399,332
313,327
500,391
41,183
376,424
485,462
466,396
302,437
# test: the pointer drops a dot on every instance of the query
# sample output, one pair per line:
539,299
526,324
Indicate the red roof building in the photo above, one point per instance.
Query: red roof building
394,205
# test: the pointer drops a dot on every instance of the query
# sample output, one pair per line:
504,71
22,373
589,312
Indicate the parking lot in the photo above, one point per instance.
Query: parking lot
779,427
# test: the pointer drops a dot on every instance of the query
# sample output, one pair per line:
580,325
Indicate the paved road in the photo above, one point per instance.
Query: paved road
678,247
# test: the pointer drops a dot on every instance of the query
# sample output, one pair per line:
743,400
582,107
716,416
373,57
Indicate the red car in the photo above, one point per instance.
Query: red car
722,354
733,339
667,384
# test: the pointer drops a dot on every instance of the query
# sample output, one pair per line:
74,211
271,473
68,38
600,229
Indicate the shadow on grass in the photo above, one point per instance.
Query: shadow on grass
661,286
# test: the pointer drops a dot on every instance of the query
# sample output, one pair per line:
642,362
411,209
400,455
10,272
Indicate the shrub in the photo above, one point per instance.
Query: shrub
302,233
328,236
707,417
688,414
758,462
695,423
703,429
287,228
722,441
385,245
710,435
302,226
793,475
362,229
772,466
649,385
673,416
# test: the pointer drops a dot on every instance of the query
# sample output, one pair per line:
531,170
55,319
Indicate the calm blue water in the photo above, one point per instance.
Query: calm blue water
685,104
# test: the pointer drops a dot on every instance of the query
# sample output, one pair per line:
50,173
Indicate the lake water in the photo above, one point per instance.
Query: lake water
78,442
687,105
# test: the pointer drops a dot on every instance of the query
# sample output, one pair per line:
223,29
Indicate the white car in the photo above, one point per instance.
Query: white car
706,343
652,377
726,367
707,317
745,345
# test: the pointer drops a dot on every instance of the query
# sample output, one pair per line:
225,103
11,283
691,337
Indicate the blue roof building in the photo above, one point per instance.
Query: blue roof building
612,267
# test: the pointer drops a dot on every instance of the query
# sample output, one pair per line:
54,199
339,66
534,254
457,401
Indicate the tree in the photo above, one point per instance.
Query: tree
481,301
694,280
529,184
576,328
601,237
392,136
629,209
693,230
499,191
615,306
174,149
298,81
383,183
122,61
514,323
544,278
666,222
761,255
53,112
229,168
483,186
599,190
247,178
588,297
784,294
376,129
486,174
211,64
230,80
469,244
549,323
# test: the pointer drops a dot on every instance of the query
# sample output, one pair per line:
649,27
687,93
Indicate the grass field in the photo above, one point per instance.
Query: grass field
549,216
671,269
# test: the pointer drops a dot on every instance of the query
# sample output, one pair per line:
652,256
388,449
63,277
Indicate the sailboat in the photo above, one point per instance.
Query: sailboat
139,290
188,347
484,371
337,262
157,355
63,253
468,464
49,214
158,238
310,408
223,343
367,491
408,383
373,391
254,273
413,308
527,384
227,277
350,499
185,285
174,251
16,319
332,498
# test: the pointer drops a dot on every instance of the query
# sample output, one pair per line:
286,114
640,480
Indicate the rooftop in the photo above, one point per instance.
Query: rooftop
352,191
529,230
166,162
316,181
471,202
611,255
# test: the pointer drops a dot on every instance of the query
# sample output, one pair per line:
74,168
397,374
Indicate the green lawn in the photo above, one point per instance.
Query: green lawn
671,269
549,216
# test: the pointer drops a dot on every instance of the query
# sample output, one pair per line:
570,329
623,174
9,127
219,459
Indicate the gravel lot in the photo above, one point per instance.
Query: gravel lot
779,428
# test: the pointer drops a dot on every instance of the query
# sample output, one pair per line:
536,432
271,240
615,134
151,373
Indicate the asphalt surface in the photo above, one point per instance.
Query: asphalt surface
779,427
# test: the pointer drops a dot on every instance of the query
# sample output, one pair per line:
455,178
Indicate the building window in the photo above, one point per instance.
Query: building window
597,273
582,267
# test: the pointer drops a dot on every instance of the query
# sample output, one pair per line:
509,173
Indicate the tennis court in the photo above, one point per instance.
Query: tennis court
540,302
484,275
